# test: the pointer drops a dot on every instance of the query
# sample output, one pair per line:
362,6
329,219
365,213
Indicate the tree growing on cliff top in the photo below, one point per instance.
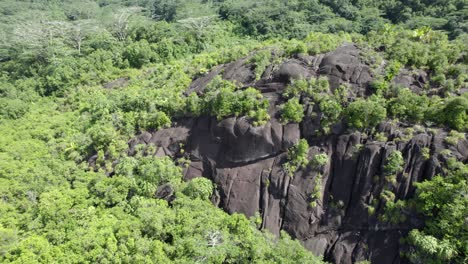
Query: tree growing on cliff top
364,113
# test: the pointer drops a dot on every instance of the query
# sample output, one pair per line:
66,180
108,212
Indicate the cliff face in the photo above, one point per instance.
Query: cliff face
245,162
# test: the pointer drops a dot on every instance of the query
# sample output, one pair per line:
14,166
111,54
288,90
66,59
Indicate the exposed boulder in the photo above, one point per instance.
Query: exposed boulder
240,72
165,192
291,70
117,83
344,65
415,80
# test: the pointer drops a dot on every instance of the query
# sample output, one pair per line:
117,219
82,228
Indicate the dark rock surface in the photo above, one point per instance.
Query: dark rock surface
344,65
117,83
415,80
165,192
292,69
245,163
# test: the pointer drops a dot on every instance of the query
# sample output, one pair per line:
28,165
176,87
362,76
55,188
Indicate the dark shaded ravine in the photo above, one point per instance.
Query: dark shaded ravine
245,162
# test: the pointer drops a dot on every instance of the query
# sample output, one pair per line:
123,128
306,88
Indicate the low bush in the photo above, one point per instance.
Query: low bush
292,111
199,188
364,113
261,60
297,157
394,163
319,160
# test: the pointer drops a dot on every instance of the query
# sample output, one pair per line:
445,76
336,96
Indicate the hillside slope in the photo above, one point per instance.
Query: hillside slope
246,162
195,131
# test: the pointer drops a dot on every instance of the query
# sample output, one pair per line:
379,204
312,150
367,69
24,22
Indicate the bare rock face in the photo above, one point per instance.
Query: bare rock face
165,192
117,83
292,69
236,133
246,165
344,65
415,80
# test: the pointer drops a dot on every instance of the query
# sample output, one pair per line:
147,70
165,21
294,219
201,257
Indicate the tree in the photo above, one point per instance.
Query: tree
149,172
121,20
292,111
79,31
112,191
8,238
331,111
297,157
153,120
199,188
222,101
366,113
37,40
79,10
442,201
13,108
319,160
455,112
139,53
198,27
408,106
165,9
394,163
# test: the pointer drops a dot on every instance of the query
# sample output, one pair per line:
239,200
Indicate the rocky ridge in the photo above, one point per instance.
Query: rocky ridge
246,162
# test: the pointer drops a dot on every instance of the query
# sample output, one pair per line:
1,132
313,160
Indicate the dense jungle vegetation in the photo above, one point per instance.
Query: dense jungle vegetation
81,78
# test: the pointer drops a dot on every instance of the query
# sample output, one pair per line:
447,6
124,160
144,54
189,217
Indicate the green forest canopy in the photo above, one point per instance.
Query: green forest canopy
54,114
